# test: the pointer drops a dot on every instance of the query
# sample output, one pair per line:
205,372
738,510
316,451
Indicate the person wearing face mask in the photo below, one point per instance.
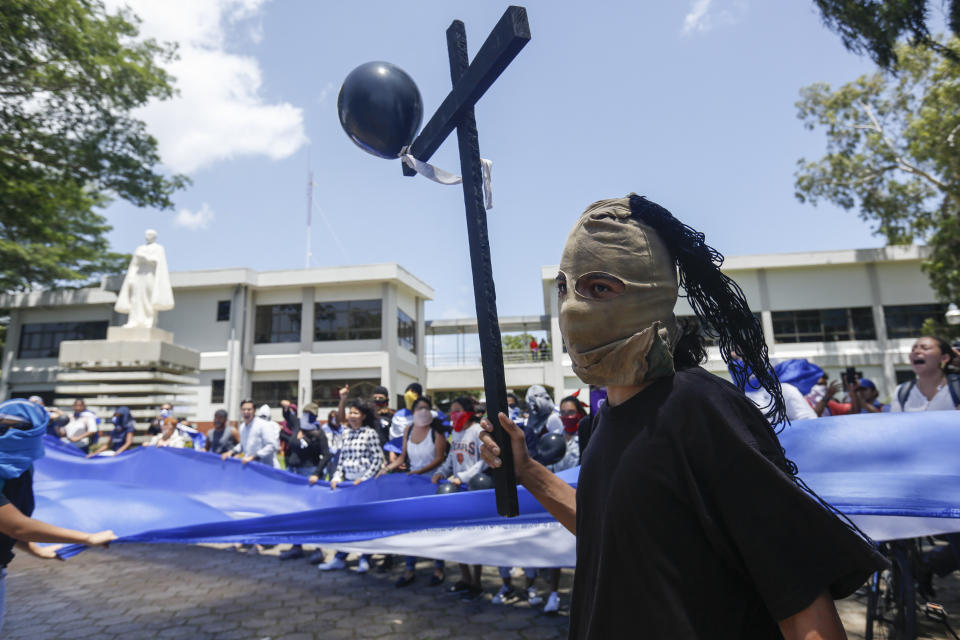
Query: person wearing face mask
424,449
121,438
360,459
403,417
690,519
462,463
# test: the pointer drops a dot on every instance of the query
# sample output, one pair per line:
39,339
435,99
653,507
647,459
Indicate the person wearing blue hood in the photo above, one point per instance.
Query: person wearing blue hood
121,438
22,425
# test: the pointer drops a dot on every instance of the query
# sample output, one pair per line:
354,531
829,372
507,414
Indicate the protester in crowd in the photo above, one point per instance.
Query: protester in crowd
403,417
690,519
168,436
58,420
544,349
22,426
334,431
221,437
81,427
542,417
936,386
462,463
290,422
166,410
381,403
361,457
797,407
534,348
265,414
424,449
308,455
866,394
121,438
258,439
513,407
820,395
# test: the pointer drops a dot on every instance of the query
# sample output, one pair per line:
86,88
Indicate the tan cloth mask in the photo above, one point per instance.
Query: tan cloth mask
621,287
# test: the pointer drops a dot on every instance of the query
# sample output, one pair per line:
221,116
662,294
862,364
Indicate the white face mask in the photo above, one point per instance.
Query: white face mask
422,417
618,288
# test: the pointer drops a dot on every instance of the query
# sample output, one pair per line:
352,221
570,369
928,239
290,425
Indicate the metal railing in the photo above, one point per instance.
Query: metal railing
472,358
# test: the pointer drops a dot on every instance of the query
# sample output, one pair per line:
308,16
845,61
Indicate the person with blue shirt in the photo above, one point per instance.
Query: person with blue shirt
22,426
121,438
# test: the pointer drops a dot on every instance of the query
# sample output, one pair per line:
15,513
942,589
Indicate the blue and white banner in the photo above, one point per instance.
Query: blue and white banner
895,475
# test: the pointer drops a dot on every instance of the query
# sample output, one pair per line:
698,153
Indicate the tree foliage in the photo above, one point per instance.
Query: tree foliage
893,153
70,75
875,27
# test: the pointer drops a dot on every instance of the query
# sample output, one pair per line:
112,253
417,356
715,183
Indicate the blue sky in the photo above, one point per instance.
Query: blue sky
690,103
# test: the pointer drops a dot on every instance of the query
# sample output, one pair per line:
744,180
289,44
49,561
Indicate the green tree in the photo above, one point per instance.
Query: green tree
875,27
893,153
70,75
516,342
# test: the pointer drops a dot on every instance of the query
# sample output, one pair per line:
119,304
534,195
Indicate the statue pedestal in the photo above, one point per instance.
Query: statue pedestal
138,334
136,367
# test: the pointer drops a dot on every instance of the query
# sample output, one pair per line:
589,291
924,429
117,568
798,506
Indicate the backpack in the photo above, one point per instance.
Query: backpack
953,383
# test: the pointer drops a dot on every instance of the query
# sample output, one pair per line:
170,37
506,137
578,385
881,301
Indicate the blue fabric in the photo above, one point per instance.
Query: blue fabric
19,448
897,464
798,372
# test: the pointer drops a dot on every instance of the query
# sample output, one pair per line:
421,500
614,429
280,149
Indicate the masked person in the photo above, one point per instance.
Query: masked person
690,520
22,426
307,457
121,438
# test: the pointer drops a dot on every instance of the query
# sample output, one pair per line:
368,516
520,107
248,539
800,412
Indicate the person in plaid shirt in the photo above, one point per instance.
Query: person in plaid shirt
360,459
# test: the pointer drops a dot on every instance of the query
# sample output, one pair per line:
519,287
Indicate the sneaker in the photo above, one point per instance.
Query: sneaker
457,588
553,603
244,547
316,557
292,553
363,566
403,581
505,593
333,565
532,596
436,580
385,565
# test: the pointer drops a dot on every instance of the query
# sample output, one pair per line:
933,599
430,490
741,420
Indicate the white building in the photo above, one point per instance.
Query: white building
303,333
268,335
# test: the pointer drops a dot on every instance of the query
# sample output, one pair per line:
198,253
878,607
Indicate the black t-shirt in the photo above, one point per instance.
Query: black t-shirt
686,529
18,492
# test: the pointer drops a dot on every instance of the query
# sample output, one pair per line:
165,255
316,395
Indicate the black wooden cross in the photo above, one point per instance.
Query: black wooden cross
470,82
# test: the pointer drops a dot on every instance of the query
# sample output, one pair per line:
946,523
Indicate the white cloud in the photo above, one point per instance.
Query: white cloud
703,16
219,113
194,220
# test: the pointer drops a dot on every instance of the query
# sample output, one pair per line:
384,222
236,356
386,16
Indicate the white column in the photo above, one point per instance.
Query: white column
388,337
305,374
421,345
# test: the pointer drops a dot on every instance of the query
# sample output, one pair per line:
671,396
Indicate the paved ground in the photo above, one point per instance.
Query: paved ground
199,592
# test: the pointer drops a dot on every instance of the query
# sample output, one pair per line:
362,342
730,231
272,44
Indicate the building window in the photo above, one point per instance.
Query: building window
271,392
905,321
216,391
348,320
223,310
406,331
823,325
42,340
326,393
277,323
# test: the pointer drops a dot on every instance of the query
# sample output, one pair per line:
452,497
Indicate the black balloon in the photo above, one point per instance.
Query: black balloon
447,487
551,448
380,108
480,482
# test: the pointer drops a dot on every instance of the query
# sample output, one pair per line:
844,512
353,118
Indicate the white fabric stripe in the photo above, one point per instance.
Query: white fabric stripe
530,545
440,176
882,528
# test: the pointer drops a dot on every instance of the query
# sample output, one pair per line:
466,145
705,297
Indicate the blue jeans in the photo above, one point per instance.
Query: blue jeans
306,471
412,563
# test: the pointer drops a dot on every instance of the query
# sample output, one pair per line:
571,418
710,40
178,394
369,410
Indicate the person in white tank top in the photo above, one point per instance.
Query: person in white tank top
931,359
424,449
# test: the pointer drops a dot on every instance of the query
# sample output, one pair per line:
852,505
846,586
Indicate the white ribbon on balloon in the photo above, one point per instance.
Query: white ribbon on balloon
437,174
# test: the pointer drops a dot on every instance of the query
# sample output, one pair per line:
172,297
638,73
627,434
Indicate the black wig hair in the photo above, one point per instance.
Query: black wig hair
718,302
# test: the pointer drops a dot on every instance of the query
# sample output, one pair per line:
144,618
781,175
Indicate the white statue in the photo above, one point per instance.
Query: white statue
146,288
